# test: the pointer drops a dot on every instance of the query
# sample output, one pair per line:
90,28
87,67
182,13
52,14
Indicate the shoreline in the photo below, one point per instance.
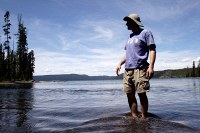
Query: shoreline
17,85
16,82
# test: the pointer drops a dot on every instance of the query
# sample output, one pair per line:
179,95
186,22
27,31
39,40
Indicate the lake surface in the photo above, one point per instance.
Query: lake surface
99,106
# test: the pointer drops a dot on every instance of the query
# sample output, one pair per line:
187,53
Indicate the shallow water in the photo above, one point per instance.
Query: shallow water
99,106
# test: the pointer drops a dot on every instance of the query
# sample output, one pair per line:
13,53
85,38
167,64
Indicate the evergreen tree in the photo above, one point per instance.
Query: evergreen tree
198,69
1,60
21,50
2,70
30,65
25,60
193,74
13,65
6,29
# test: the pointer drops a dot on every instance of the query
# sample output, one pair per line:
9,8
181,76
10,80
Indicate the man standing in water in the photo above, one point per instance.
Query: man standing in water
138,71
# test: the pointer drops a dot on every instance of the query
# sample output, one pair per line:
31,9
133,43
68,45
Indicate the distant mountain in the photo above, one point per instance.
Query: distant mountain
179,73
73,77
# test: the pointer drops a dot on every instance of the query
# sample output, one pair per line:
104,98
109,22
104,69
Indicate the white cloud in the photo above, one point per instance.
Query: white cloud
157,10
66,43
105,63
57,51
197,59
175,60
44,33
101,30
53,62
103,33
48,62
47,70
186,59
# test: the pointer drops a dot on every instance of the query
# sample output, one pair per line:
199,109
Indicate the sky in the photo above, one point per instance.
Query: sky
88,36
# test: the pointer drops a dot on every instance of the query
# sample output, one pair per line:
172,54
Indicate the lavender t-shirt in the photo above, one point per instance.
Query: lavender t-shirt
137,49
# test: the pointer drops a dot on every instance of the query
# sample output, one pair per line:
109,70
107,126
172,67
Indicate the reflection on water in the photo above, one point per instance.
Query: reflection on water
16,100
196,88
196,84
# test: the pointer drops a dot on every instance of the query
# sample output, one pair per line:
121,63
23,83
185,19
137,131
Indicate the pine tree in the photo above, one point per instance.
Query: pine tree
25,60
2,71
30,65
13,65
193,74
6,29
198,69
21,50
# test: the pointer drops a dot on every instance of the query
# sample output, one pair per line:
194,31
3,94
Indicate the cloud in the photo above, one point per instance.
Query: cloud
175,60
44,33
103,62
101,29
186,59
59,49
103,33
197,59
156,10
93,61
54,62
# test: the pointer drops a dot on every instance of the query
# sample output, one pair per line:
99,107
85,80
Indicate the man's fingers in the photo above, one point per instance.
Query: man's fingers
117,71
147,74
151,75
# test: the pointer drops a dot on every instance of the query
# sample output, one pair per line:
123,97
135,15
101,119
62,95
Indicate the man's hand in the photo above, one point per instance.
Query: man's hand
150,72
120,64
118,69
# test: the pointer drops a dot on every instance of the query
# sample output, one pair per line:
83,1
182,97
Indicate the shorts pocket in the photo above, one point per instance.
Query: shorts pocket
130,73
143,86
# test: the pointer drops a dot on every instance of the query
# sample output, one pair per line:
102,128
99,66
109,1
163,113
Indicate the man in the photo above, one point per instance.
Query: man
137,70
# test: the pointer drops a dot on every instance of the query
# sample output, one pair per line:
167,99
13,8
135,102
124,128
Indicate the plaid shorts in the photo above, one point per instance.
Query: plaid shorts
135,80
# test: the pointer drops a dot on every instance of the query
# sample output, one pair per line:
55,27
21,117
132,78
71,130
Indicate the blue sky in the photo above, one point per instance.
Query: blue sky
88,36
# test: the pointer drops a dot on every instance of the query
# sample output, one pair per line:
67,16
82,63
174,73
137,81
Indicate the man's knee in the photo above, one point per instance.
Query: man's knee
142,96
131,94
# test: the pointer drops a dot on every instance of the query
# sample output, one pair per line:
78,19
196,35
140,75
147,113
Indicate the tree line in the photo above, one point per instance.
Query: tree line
16,64
195,71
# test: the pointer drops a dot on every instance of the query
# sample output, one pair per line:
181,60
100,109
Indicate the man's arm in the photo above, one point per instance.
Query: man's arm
152,55
120,64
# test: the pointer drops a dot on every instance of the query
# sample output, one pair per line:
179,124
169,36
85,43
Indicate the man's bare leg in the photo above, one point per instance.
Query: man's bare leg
132,104
144,104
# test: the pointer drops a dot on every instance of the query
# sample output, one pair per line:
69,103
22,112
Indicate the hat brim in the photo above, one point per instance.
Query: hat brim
130,19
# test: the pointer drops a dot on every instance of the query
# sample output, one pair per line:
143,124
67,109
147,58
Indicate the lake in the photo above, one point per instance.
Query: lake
99,106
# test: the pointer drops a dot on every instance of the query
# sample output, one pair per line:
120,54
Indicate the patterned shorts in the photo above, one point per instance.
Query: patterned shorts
135,80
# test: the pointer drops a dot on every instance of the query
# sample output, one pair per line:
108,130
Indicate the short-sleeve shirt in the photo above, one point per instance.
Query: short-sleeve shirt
137,49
